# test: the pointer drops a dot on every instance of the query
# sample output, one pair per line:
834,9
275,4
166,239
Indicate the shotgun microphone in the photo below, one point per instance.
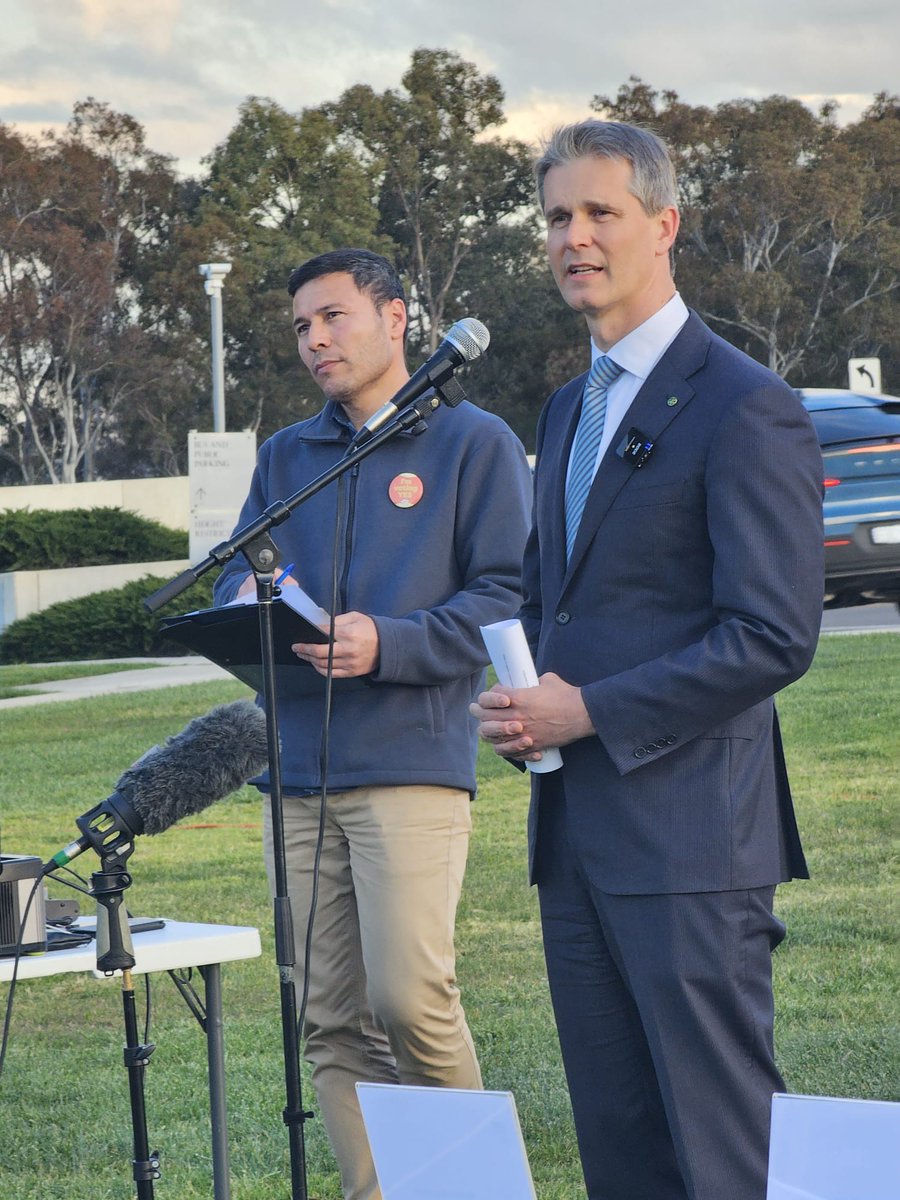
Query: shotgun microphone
212,757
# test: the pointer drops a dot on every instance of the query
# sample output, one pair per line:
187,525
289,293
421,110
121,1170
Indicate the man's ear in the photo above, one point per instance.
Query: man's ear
669,220
396,319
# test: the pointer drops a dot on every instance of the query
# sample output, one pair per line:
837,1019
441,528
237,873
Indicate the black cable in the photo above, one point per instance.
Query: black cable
12,983
324,749
70,871
148,1003
82,886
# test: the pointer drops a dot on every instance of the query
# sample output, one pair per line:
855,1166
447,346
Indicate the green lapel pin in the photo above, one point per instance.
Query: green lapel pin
672,401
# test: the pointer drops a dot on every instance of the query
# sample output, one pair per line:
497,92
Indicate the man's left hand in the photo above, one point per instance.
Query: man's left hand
355,647
521,722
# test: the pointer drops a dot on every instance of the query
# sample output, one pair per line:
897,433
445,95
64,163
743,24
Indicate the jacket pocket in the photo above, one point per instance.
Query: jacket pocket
435,705
636,494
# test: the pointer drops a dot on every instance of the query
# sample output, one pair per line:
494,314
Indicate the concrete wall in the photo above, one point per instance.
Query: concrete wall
25,592
165,500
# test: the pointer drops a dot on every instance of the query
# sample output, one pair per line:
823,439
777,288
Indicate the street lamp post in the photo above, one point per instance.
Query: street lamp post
214,274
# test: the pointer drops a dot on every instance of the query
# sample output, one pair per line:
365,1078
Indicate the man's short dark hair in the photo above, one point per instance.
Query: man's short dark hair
372,273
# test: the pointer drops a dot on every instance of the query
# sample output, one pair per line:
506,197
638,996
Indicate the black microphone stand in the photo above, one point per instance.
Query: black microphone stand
115,952
257,546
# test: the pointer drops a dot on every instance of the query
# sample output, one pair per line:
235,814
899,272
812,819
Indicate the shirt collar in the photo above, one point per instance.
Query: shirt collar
639,351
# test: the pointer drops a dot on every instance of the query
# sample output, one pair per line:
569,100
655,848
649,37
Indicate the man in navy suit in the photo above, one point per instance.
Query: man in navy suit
685,593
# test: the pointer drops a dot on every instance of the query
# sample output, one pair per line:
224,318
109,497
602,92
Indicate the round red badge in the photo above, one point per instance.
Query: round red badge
406,490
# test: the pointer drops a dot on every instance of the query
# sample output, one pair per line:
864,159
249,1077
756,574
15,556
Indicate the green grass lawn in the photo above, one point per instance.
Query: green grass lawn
64,1113
18,679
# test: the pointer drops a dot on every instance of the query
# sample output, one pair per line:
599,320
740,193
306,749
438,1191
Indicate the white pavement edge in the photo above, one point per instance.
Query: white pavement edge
158,673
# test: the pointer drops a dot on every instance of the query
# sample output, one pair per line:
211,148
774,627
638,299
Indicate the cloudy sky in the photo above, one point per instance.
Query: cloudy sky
182,67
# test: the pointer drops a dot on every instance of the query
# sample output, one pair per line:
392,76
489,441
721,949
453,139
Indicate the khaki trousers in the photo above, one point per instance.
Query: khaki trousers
383,1002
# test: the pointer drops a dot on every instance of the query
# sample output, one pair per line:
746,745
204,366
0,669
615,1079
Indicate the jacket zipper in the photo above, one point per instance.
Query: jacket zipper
348,537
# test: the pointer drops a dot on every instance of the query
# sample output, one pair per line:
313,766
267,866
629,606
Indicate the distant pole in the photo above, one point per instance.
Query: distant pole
214,274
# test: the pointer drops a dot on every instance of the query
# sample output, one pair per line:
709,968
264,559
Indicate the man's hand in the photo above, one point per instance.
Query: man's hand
521,722
355,647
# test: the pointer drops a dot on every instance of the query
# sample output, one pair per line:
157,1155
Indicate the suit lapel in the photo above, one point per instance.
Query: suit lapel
664,396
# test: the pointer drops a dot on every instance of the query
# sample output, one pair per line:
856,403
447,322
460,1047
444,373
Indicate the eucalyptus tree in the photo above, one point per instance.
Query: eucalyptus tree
78,210
278,189
789,242
443,181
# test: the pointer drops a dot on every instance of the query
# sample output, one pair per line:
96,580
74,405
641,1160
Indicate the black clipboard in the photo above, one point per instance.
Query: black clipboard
229,637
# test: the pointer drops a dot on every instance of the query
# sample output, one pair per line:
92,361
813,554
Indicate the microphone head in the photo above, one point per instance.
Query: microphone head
469,337
212,757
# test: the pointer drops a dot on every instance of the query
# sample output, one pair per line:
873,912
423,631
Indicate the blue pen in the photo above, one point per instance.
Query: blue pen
284,574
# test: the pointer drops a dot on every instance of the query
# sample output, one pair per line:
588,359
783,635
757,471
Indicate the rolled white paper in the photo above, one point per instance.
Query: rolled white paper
511,659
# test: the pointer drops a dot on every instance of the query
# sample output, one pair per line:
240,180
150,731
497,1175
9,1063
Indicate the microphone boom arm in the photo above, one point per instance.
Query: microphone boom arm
253,539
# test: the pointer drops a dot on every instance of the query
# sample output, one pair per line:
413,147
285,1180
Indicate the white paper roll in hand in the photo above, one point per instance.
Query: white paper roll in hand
511,659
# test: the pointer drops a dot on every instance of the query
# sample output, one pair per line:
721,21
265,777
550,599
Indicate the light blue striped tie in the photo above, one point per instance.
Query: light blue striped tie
587,442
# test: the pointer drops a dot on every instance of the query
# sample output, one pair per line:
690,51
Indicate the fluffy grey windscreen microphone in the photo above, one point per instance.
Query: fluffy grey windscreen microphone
212,757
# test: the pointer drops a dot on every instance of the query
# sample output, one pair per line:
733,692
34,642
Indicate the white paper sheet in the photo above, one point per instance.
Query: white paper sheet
511,659
297,599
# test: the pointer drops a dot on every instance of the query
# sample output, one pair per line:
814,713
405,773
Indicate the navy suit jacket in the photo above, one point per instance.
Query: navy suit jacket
694,593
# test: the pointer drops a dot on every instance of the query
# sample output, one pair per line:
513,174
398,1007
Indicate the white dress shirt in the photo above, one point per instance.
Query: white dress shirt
637,353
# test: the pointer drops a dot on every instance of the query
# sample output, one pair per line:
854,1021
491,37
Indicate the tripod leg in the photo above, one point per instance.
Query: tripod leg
145,1163
115,952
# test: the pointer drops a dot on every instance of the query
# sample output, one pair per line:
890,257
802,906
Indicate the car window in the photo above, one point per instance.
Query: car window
856,424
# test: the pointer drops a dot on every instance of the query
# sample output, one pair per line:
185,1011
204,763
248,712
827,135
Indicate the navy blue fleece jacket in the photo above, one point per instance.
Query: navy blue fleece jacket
429,575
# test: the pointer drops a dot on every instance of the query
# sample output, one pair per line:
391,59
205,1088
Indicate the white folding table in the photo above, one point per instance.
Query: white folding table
177,945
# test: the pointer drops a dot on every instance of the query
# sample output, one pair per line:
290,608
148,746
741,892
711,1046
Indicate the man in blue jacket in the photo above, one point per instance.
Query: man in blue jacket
673,583
431,530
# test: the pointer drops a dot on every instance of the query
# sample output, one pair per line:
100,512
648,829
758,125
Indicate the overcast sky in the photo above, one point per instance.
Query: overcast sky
182,67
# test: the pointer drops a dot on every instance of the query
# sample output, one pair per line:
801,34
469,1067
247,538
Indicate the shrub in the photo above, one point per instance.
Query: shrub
84,537
110,624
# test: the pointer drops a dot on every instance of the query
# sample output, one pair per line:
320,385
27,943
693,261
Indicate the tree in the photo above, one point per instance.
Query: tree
76,213
537,341
867,315
790,246
410,175
788,239
442,186
278,190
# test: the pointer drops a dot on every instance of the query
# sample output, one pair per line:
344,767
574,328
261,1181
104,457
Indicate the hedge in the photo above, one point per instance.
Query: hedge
110,624
43,539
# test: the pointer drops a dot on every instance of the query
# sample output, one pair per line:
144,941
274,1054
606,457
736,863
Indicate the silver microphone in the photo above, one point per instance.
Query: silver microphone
464,341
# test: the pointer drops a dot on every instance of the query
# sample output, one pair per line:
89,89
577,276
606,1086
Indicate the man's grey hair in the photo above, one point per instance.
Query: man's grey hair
652,172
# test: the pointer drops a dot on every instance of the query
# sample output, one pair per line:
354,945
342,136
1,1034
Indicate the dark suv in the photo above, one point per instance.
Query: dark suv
860,438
